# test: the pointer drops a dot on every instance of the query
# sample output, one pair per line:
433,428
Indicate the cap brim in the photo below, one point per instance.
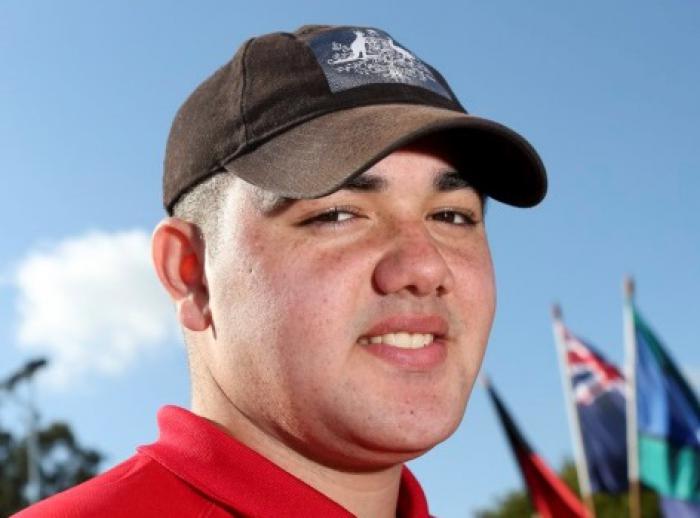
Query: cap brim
316,157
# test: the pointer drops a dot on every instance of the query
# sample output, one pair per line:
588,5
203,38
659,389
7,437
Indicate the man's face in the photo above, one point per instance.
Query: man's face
315,303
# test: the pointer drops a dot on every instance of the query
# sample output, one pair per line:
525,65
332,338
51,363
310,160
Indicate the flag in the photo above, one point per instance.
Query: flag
599,393
550,497
668,426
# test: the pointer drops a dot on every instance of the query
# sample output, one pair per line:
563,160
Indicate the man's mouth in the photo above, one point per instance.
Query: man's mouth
413,342
402,340
406,332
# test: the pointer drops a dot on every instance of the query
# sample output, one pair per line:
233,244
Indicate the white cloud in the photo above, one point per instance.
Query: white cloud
92,304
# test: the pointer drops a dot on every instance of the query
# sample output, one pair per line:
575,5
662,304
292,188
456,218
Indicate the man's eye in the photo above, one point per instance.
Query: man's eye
454,217
331,216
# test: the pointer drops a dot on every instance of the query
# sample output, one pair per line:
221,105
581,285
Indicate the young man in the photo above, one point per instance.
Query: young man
327,256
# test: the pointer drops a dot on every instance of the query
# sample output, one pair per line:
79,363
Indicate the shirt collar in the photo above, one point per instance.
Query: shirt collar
227,471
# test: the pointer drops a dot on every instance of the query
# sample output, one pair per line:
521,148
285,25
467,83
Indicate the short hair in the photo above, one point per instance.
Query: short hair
203,206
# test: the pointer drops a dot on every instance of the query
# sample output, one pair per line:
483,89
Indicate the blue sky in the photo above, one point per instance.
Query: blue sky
607,92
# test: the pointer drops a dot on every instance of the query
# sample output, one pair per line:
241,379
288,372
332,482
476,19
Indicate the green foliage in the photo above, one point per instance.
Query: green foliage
11,498
516,504
63,463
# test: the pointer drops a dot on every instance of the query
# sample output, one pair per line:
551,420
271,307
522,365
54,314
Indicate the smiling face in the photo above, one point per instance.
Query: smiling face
351,327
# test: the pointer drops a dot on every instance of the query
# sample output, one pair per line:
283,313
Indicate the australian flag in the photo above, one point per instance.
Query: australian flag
599,393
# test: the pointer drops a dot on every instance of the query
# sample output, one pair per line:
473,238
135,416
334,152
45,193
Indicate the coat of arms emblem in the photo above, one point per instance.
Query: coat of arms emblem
351,57
374,53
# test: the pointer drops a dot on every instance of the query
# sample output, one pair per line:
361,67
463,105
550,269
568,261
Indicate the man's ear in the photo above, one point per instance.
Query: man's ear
178,256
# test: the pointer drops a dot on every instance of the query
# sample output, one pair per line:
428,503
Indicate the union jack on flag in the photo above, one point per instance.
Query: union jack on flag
599,393
591,373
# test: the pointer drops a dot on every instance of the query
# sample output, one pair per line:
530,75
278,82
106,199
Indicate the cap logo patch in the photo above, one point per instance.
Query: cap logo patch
352,57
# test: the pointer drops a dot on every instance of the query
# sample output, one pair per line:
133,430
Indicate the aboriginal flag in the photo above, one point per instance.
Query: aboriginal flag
599,393
550,497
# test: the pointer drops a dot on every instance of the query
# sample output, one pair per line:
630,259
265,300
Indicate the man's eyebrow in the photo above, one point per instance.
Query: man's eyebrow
365,183
451,181
269,203
444,182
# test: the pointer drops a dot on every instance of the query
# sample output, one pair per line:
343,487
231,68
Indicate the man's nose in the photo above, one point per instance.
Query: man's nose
414,263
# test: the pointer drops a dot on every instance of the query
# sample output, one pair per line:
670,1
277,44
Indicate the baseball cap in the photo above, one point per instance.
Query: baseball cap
300,113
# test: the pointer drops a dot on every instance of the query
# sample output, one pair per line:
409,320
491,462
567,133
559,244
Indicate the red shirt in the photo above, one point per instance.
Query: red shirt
197,470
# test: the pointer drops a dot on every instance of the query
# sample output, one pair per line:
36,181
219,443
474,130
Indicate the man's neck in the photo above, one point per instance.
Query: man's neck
365,494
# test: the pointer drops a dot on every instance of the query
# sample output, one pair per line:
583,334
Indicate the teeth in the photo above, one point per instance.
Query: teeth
417,340
403,340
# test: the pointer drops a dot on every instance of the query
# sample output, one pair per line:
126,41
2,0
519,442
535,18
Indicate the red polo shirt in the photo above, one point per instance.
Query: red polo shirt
197,470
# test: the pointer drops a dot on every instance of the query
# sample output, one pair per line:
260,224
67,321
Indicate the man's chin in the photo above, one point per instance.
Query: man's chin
372,460
391,447
381,450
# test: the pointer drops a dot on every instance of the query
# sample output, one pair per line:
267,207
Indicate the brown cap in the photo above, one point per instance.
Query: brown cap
299,114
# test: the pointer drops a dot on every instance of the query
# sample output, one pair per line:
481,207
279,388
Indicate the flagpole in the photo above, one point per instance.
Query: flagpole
584,480
630,376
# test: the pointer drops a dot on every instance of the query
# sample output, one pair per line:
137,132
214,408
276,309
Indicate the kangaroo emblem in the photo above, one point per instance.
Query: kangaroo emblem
358,48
